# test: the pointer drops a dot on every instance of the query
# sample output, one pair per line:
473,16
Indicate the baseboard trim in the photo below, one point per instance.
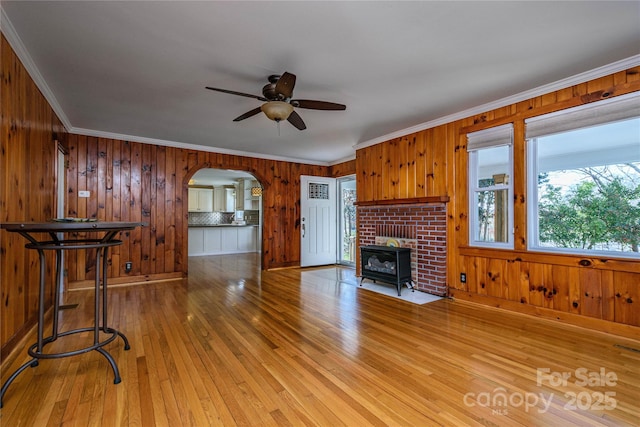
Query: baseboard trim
605,326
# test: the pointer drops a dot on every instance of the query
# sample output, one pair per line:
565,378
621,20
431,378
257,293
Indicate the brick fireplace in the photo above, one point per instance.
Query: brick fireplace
422,226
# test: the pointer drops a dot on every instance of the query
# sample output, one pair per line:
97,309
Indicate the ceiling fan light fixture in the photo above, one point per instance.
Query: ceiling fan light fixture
277,110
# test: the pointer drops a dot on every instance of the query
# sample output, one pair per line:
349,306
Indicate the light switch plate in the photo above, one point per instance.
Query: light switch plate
84,193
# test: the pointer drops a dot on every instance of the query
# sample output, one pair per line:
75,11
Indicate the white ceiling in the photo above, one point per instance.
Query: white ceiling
138,70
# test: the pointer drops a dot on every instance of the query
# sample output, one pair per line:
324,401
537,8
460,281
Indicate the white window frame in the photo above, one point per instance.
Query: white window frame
498,136
594,114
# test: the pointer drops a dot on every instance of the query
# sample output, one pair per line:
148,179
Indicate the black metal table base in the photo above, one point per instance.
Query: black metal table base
36,350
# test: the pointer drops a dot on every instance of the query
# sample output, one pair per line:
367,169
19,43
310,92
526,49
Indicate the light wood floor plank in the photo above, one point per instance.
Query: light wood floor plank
232,345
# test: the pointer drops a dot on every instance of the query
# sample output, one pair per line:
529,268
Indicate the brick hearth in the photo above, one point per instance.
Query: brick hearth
429,220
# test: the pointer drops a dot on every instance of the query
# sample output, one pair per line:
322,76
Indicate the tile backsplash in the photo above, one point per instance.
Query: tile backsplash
210,218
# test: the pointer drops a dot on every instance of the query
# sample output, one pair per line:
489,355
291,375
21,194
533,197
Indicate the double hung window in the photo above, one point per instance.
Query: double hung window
491,187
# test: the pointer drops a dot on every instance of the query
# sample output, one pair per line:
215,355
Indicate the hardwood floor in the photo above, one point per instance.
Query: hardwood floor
235,346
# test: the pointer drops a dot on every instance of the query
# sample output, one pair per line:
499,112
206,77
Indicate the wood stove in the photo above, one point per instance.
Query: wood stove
387,264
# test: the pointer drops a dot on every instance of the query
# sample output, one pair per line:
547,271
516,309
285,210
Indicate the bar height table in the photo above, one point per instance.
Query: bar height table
54,243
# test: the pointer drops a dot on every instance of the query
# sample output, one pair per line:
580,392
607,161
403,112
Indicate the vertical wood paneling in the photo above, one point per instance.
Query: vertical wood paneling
115,194
441,170
405,181
81,211
494,279
429,158
591,296
343,169
420,187
151,184
440,162
133,182
146,201
159,206
136,209
561,289
103,174
170,191
519,187
28,180
608,295
627,298
481,276
524,288
125,199
602,294
472,280
376,173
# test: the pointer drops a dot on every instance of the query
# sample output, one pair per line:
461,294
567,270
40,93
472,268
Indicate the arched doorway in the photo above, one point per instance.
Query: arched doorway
225,213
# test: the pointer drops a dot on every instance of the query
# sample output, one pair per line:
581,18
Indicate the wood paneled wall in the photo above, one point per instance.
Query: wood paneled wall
129,181
343,169
433,162
28,180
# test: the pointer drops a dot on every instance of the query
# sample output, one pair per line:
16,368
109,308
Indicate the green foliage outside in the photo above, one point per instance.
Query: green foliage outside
349,224
600,212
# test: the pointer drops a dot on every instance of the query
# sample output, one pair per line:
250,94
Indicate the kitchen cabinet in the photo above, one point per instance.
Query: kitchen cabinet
247,239
230,205
224,199
219,240
250,202
240,194
200,199
219,199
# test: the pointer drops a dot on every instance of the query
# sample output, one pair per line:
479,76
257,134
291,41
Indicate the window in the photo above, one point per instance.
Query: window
490,187
347,220
584,179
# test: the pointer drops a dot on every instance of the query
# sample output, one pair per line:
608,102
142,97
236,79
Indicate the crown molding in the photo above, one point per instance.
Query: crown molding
196,147
605,70
14,40
345,159
19,48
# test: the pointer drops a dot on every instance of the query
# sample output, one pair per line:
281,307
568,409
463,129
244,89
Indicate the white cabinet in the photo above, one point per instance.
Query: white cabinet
200,199
223,240
251,202
230,239
219,199
247,239
224,199
240,195
196,241
212,240
230,205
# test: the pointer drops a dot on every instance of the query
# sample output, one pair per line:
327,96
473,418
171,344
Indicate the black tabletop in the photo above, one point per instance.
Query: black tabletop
58,226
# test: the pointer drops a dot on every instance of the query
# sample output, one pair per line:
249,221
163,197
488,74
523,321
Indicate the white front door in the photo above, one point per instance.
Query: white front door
318,220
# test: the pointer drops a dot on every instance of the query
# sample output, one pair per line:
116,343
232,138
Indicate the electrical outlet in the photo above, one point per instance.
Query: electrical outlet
463,277
128,266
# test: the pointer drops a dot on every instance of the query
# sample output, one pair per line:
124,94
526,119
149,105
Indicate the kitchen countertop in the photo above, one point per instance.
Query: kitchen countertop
221,225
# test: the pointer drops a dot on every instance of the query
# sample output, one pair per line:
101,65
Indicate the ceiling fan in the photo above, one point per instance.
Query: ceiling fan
278,104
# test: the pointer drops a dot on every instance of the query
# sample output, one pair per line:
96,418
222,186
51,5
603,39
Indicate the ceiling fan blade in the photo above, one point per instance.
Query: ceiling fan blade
248,114
285,85
248,95
296,120
317,105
